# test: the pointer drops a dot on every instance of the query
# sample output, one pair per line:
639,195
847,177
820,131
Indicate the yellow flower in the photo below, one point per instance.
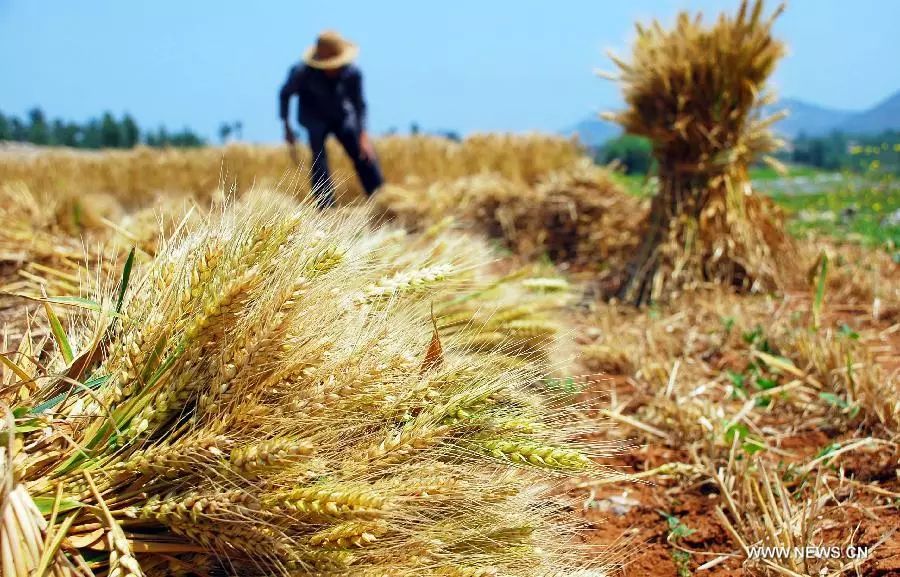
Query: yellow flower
876,207
874,165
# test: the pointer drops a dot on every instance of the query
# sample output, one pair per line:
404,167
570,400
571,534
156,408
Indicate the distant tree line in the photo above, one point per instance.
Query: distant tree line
228,130
836,151
633,153
415,130
104,132
839,151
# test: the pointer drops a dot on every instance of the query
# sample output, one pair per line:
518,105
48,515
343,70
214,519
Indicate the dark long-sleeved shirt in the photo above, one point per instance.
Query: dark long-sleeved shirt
335,102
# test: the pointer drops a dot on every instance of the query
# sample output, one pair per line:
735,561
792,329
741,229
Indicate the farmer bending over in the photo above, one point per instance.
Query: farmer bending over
330,90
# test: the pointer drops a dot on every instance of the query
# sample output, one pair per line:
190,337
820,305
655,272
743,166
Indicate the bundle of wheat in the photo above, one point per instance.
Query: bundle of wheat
587,217
578,215
697,92
270,396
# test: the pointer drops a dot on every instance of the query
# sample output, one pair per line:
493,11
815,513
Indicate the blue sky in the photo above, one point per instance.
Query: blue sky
466,65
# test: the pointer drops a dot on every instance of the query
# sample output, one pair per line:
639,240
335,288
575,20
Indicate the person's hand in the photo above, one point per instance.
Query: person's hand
366,150
289,134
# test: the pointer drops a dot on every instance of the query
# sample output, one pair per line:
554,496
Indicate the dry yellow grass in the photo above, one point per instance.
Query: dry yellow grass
139,176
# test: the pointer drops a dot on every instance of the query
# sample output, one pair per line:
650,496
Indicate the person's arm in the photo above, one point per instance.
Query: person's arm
358,100
284,100
359,103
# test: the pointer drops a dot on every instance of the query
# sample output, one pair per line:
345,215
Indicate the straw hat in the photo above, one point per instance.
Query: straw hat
330,51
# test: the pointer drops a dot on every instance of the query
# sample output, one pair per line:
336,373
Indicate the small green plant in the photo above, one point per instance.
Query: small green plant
677,531
845,331
819,298
739,432
833,400
828,450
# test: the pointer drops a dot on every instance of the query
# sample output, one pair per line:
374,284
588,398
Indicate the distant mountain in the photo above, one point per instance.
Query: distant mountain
814,120
806,118
594,131
883,116
803,118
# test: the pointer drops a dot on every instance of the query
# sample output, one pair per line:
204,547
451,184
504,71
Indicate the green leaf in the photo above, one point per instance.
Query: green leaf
29,426
766,384
846,331
737,379
739,382
828,449
738,430
65,348
751,337
20,372
77,214
764,401
91,384
126,276
834,400
45,504
75,301
79,302
819,299
752,445
677,529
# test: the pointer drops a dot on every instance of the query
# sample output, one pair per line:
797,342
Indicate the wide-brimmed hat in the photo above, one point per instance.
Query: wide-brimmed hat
330,51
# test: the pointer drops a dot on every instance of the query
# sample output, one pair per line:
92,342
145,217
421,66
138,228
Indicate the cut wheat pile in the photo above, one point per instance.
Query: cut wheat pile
282,393
578,215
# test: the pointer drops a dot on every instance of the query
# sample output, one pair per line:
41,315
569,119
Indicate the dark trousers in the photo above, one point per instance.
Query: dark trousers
367,169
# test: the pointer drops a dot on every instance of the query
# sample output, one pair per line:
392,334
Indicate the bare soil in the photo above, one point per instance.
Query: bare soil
864,508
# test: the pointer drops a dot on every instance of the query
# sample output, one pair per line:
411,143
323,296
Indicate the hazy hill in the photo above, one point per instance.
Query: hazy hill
814,120
805,117
883,116
593,131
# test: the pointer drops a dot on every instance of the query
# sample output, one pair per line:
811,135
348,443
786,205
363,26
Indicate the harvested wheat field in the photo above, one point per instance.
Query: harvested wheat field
237,386
508,362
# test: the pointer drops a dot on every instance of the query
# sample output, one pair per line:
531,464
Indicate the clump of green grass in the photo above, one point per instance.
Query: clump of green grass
859,208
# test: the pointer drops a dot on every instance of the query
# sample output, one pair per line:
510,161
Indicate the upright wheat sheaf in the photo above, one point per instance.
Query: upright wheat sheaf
698,92
277,396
